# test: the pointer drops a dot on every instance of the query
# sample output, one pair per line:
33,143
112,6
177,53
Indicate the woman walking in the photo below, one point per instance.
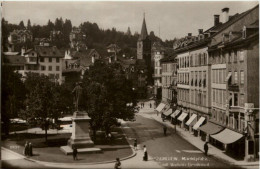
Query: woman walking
145,158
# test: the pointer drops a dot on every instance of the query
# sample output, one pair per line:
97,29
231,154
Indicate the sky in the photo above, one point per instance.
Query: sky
167,19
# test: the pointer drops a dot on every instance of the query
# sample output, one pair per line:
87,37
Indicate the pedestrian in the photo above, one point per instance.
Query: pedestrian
30,149
150,105
75,153
117,164
145,158
206,148
164,130
135,144
26,149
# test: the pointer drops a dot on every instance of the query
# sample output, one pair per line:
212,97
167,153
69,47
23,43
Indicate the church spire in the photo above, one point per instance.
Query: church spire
144,33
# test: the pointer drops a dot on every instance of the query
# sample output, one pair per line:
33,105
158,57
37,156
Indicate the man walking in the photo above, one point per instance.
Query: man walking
206,148
135,144
75,154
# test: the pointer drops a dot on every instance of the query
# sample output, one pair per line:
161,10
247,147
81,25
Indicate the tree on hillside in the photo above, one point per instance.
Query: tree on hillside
13,96
43,102
29,26
21,25
109,96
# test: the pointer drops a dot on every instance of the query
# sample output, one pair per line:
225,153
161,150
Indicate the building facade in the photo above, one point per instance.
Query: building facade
234,55
157,54
44,60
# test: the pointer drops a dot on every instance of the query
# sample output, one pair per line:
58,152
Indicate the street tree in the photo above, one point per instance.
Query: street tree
109,95
43,102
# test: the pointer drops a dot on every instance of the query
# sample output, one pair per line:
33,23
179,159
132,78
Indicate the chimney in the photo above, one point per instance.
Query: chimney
189,34
216,20
225,15
200,31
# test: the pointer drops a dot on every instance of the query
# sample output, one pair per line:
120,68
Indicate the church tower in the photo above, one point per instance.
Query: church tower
144,45
144,52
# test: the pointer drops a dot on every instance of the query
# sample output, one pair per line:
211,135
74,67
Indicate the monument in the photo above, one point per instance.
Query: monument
80,138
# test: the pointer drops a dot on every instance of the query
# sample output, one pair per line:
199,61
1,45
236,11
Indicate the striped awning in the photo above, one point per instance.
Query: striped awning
227,136
199,123
175,113
168,112
160,107
182,116
192,118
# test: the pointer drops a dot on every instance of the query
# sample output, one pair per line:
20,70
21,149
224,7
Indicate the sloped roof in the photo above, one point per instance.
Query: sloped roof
14,60
48,51
231,20
144,33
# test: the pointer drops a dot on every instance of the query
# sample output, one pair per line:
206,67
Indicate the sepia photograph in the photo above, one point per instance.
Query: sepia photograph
130,84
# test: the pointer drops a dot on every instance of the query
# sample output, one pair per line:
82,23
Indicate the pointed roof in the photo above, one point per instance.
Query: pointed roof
144,33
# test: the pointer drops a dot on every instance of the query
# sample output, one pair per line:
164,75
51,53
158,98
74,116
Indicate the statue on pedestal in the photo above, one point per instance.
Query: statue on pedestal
80,138
77,92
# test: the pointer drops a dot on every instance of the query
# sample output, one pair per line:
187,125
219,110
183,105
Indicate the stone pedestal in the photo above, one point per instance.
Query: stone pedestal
80,138
80,131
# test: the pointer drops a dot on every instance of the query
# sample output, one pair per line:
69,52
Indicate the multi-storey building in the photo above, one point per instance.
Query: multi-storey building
157,54
169,84
41,60
234,56
75,63
218,83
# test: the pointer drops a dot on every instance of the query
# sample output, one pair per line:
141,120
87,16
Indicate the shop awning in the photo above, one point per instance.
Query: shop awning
228,76
198,124
182,116
227,136
192,118
160,107
211,128
175,113
168,112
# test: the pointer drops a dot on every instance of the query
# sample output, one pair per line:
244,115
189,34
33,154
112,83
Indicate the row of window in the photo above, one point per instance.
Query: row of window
167,80
198,78
227,57
237,77
183,95
219,97
183,78
50,68
232,121
198,98
169,67
50,60
219,76
193,60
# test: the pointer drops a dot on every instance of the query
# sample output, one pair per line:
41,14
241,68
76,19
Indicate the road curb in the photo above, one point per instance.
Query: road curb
70,165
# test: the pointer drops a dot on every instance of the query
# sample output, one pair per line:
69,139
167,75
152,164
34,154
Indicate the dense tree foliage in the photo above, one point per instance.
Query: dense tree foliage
109,96
13,96
95,37
44,101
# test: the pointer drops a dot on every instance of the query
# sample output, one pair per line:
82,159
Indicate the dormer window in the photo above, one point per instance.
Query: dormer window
244,32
